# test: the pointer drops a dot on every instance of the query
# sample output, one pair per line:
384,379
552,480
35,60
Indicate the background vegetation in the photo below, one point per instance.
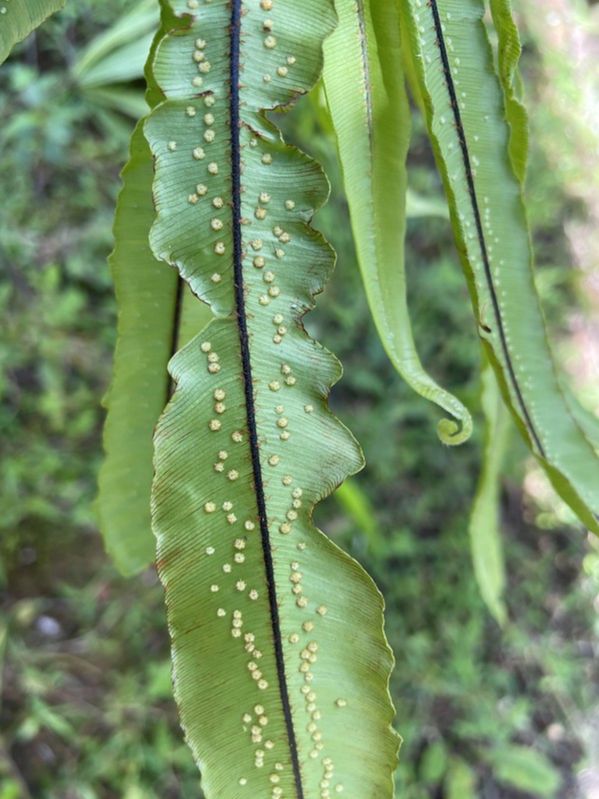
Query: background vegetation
85,703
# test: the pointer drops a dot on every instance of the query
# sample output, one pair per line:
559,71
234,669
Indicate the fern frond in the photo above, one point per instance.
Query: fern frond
366,94
482,165
278,647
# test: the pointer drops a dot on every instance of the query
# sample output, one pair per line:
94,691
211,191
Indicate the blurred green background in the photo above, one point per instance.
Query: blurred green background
85,701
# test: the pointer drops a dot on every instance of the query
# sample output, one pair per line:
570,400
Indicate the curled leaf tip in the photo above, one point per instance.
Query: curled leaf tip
452,432
489,131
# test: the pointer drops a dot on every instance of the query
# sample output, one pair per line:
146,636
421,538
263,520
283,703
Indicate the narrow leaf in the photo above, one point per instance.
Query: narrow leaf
485,522
150,301
120,66
460,782
18,18
277,637
127,101
356,504
525,769
157,315
471,132
418,206
369,107
510,50
137,24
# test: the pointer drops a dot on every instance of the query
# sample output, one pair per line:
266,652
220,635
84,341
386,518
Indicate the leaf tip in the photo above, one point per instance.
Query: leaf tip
453,432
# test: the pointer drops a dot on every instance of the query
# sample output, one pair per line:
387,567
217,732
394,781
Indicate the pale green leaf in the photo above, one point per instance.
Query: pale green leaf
472,130
356,504
433,764
525,769
136,398
460,782
485,518
18,18
140,22
278,646
157,315
149,301
509,53
122,65
417,205
367,98
117,98
588,421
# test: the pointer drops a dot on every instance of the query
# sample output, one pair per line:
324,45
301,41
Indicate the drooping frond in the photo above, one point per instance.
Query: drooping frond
277,637
366,94
475,129
486,542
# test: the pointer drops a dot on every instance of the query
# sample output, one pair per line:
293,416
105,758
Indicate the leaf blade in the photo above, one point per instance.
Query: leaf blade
510,49
126,473
525,769
20,17
255,594
471,137
485,520
156,316
365,90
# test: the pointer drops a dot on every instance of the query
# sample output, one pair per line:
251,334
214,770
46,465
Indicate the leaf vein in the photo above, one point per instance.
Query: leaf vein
235,62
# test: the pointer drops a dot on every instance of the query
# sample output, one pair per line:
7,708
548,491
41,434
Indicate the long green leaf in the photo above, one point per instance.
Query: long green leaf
278,646
157,315
525,769
419,206
121,66
369,107
109,46
356,504
119,98
151,302
144,346
18,18
485,522
510,49
472,130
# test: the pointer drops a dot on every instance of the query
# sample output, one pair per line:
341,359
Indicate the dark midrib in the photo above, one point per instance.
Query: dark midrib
236,10
174,346
479,228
